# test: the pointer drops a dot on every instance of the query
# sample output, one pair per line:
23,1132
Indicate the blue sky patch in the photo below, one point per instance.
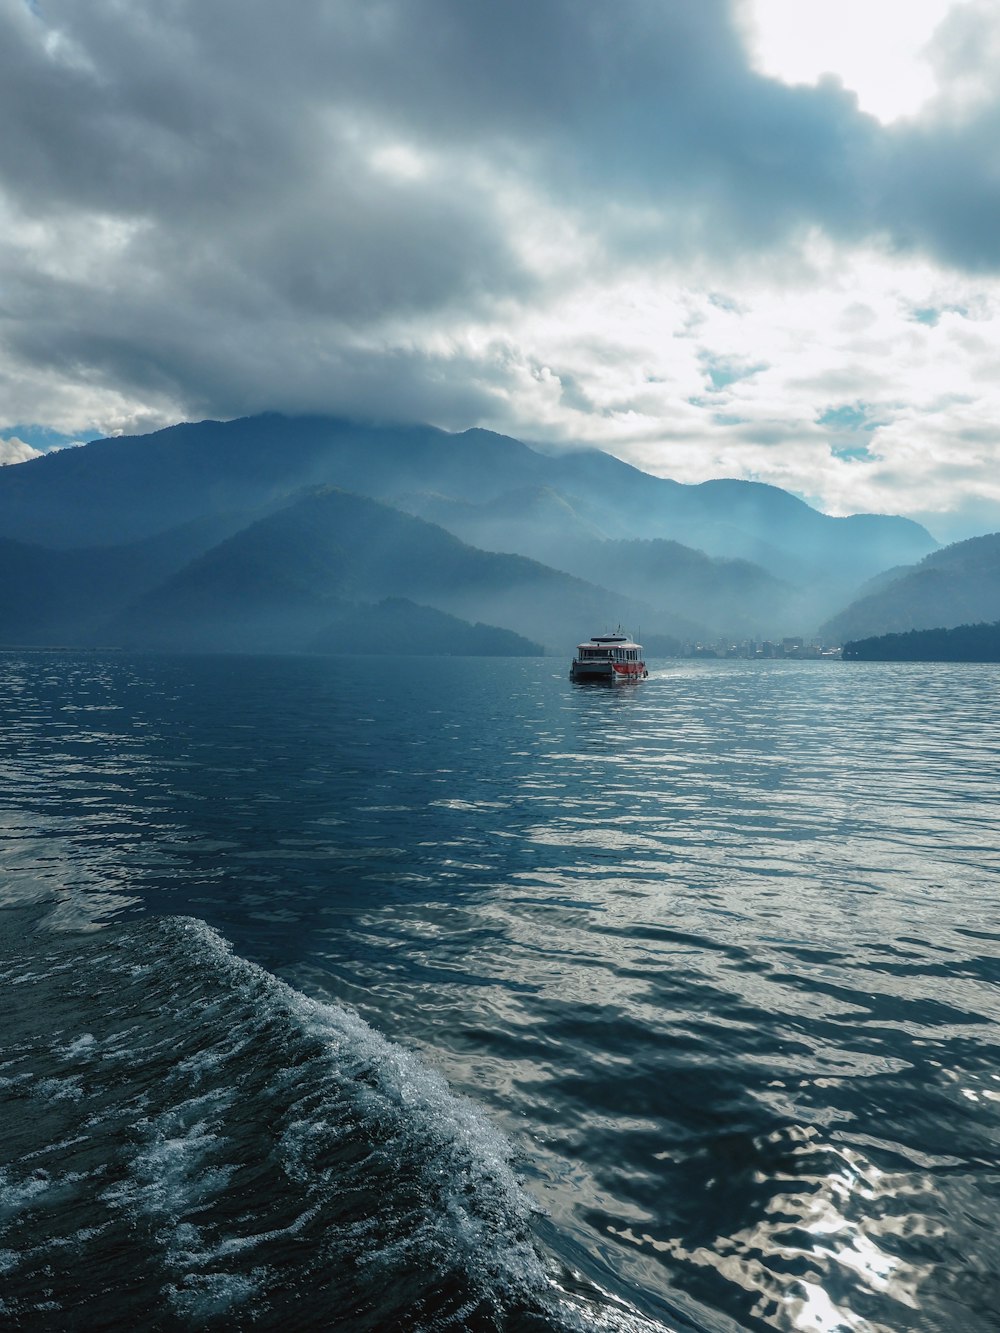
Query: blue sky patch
849,416
41,437
723,370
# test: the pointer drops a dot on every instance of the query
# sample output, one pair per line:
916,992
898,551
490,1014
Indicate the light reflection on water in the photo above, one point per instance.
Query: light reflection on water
719,951
826,1225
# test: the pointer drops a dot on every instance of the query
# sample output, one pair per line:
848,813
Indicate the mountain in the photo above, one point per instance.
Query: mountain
124,489
119,490
738,519
958,585
117,523
64,597
591,494
964,643
399,626
726,596
536,521
734,598
279,582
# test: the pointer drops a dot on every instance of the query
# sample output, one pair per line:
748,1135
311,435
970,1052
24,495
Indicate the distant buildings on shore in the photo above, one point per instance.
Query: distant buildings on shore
795,648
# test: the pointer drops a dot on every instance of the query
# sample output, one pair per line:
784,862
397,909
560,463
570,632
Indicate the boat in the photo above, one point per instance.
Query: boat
611,658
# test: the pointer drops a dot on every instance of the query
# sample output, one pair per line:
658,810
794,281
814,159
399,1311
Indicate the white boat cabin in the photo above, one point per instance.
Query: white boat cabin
609,657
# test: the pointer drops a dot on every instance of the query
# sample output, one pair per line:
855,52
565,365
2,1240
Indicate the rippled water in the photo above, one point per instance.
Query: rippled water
464,997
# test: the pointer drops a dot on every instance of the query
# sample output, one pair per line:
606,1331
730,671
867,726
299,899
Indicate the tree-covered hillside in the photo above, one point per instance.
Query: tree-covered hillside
964,643
958,585
282,580
196,536
397,626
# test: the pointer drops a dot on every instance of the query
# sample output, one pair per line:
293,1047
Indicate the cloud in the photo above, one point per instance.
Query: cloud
561,219
13,450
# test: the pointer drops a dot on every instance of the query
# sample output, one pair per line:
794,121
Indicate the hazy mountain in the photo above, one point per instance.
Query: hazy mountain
726,596
123,489
111,491
536,521
730,597
399,626
594,495
738,519
766,562
958,585
880,581
64,597
279,582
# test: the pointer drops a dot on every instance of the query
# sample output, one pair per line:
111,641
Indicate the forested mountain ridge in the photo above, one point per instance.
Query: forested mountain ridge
328,555
94,513
963,643
957,585
122,489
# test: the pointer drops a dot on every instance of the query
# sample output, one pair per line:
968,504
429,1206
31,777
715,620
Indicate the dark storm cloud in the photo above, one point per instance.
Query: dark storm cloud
266,241
940,191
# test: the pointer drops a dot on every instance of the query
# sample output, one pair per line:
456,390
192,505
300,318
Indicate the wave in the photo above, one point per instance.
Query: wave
199,1143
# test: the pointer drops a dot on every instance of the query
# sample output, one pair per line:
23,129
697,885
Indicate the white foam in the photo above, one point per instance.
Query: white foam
210,1073
61,1089
79,1047
204,1296
170,1173
17,1195
13,1082
483,1212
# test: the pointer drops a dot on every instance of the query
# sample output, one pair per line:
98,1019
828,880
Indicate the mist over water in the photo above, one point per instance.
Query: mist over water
449,994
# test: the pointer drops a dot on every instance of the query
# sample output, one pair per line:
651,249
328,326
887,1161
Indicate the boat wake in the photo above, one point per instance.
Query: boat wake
246,1154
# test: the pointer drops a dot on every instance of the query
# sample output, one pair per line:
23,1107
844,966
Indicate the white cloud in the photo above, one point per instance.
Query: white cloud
13,450
873,385
877,48
545,219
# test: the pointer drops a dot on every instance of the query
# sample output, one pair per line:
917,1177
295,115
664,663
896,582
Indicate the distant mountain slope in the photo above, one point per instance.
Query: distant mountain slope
397,626
728,596
964,643
63,597
958,585
124,489
735,593
536,521
742,519
114,491
276,584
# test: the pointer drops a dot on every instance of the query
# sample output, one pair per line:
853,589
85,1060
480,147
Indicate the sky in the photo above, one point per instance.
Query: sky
751,238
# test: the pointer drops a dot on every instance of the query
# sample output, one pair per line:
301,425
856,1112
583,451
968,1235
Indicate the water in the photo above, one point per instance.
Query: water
345,994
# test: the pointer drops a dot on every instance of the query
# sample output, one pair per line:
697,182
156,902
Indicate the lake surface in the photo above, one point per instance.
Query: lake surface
447,994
